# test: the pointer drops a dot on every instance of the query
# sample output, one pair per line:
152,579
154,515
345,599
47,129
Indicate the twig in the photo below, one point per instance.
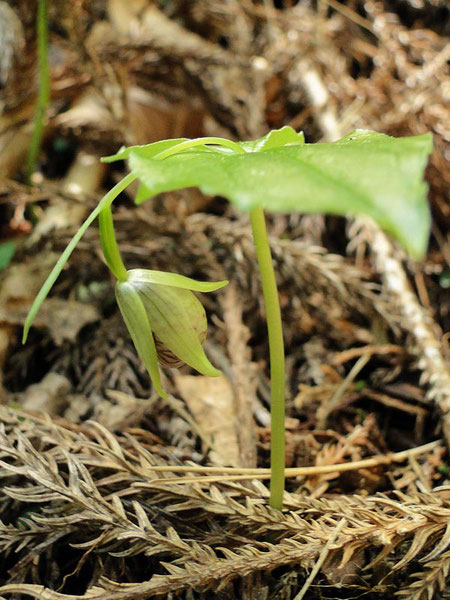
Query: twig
323,555
236,474
346,355
243,372
425,344
325,410
351,15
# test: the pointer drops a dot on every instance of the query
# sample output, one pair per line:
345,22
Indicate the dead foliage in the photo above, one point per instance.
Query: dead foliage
103,494
84,488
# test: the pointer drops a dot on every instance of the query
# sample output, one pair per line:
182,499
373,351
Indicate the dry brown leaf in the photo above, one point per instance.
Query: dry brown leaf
60,215
125,411
23,281
49,395
19,287
211,401
64,318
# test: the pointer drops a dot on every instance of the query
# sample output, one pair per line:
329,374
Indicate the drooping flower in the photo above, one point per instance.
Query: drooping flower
166,320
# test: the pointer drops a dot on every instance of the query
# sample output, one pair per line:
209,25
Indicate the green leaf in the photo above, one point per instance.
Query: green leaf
173,279
6,254
149,150
364,173
110,248
275,139
142,194
138,325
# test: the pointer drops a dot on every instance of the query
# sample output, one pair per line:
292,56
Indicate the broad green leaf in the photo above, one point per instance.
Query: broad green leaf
138,325
155,149
173,279
273,139
6,254
364,173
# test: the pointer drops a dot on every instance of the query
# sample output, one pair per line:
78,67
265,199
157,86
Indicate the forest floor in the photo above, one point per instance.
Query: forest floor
104,494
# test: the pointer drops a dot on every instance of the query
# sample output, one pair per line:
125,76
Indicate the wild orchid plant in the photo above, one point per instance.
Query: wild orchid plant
364,173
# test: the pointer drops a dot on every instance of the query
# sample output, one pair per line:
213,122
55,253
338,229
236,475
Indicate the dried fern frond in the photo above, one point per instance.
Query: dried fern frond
434,578
89,486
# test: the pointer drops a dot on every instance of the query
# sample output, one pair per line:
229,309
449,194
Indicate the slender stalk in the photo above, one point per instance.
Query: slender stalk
44,88
109,245
107,200
276,346
274,328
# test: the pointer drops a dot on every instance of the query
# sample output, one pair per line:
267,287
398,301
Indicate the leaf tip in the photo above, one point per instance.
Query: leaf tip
213,372
160,391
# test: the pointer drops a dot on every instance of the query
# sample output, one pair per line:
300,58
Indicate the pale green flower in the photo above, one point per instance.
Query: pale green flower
166,320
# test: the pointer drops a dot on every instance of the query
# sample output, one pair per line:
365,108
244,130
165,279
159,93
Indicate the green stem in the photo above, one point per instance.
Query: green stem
276,346
109,245
107,200
44,88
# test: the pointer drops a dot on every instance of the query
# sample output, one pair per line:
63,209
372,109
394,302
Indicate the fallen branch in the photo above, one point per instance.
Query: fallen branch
237,474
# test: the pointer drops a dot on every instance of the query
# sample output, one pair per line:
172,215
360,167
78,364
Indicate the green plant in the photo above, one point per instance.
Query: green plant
364,173
44,88
164,318
6,254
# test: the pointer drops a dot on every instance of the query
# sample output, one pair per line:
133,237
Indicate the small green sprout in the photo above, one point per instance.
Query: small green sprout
364,173
6,254
444,469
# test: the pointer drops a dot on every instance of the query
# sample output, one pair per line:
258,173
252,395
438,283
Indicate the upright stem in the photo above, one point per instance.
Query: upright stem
44,88
276,345
109,245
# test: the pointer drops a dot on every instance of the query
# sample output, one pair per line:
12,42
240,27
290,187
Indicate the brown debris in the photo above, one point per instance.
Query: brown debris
211,402
106,504
367,496
244,376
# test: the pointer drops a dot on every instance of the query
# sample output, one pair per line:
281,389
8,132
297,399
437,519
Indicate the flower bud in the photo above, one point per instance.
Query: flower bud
197,317
166,320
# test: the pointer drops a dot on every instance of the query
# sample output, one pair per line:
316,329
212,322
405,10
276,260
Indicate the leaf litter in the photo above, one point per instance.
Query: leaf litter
104,495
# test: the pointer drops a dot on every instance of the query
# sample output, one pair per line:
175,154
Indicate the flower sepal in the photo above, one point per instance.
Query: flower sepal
166,321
